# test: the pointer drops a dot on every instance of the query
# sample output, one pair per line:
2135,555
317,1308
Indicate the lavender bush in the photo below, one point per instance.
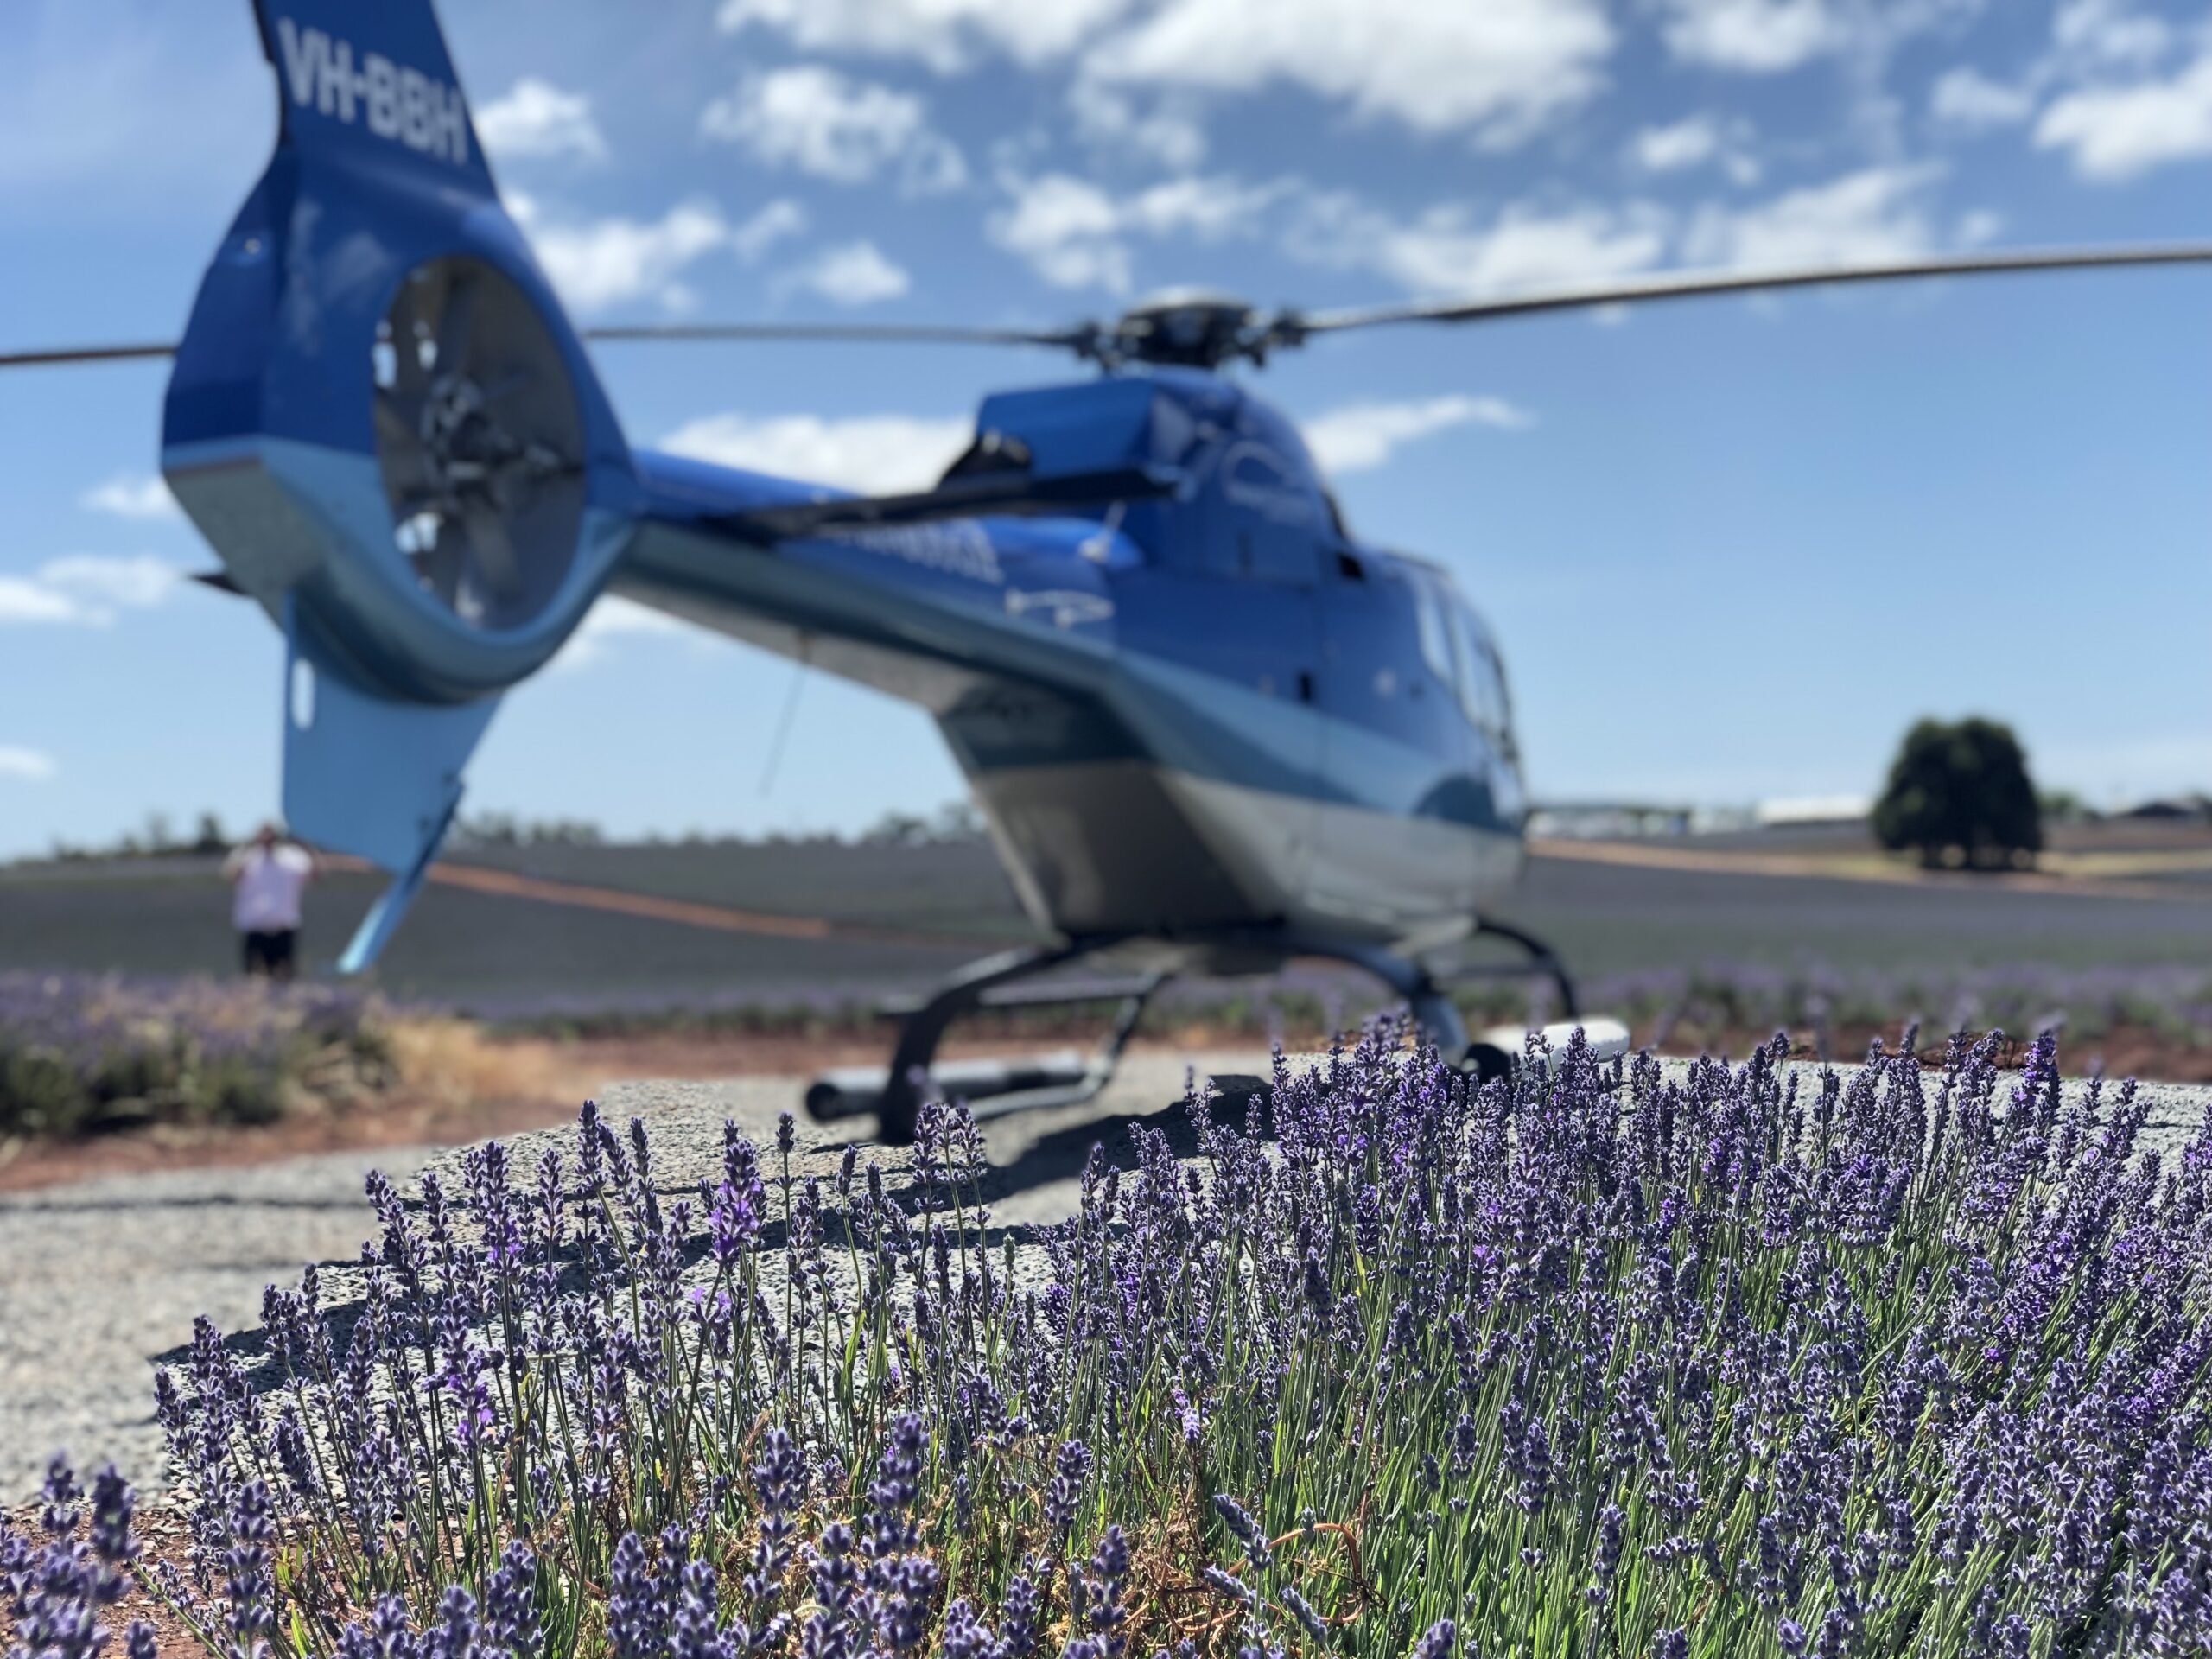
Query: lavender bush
56,1591
81,1052
1588,1363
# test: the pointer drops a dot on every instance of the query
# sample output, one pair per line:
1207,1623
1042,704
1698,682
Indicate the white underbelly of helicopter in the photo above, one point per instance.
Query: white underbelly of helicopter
1128,846
1413,882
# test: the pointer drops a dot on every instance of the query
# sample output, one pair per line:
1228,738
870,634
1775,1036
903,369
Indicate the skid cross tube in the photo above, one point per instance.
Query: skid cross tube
1428,995
908,1080
1542,960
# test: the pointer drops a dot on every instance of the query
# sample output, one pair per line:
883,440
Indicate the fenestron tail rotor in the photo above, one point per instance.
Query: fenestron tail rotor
1206,330
486,484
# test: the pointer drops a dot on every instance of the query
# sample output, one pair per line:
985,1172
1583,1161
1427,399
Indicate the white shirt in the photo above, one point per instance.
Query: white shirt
265,897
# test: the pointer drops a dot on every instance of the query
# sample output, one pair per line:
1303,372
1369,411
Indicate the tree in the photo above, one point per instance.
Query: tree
1960,786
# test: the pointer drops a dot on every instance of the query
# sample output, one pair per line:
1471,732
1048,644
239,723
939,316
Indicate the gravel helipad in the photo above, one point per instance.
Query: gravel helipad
100,1278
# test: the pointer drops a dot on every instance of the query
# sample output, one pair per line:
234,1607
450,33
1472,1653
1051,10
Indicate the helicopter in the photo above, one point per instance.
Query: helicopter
1210,728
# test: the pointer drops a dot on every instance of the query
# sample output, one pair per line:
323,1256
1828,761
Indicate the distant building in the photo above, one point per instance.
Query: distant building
1811,809
1607,820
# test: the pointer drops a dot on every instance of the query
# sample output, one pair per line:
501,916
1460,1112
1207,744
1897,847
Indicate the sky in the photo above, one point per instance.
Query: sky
1730,547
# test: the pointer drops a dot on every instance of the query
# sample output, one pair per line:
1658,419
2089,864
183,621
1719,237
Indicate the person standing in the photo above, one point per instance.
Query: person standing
267,876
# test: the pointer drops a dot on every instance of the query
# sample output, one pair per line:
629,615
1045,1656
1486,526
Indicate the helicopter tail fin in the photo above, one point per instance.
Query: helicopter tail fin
383,420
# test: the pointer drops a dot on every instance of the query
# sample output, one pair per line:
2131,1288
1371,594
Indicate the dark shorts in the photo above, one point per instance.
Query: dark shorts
269,953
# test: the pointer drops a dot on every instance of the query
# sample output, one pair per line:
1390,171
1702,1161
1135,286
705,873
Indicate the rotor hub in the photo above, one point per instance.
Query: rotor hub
1196,328
467,456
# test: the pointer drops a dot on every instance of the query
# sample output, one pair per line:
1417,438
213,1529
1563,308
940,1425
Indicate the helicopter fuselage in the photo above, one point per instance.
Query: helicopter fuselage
1207,718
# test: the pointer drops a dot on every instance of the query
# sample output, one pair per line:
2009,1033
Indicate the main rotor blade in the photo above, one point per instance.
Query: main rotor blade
1686,285
1289,327
882,333
83,355
877,334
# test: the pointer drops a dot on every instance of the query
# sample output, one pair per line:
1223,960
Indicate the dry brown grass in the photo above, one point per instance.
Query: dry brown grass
451,1063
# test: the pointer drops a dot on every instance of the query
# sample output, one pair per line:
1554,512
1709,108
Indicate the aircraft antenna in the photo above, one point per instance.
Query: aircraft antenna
783,720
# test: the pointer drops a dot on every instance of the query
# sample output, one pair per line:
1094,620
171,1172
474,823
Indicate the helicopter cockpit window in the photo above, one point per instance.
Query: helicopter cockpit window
1482,685
1435,643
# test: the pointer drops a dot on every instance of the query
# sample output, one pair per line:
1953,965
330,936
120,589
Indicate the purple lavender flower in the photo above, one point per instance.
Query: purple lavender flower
510,1613
1023,1623
253,1612
966,1637
1070,1469
636,1607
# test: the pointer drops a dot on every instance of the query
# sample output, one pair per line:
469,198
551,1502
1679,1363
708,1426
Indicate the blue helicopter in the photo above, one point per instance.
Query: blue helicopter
1210,728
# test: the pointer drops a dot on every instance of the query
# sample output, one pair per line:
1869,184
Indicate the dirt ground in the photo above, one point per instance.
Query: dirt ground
536,1084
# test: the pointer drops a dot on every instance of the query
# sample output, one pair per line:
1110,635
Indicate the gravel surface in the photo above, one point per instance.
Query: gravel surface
98,1277
101,1278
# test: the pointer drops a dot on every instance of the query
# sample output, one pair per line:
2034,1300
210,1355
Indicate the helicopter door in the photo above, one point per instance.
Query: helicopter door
1395,851
1238,600
1271,558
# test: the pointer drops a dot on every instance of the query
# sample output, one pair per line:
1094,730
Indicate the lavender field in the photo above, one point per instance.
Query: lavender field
1593,1363
82,1053
946,904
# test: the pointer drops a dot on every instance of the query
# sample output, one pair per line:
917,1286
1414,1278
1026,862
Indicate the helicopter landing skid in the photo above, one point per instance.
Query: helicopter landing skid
995,1088
1544,963
1489,1053
1494,1052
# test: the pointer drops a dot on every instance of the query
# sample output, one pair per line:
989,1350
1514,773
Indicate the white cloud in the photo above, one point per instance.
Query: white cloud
834,127
1068,229
535,117
29,766
1169,133
775,223
2116,133
876,454
82,590
128,496
611,618
1447,251
139,582
1361,436
1502,69
1978,227
1874,215
1863,218
604,262
1075,235
2108,33
1694,141
26,602
1751,36
856,274
1670,148
946,34
1966,97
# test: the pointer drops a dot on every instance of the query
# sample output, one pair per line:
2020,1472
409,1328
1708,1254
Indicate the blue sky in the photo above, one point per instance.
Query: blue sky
1731,548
